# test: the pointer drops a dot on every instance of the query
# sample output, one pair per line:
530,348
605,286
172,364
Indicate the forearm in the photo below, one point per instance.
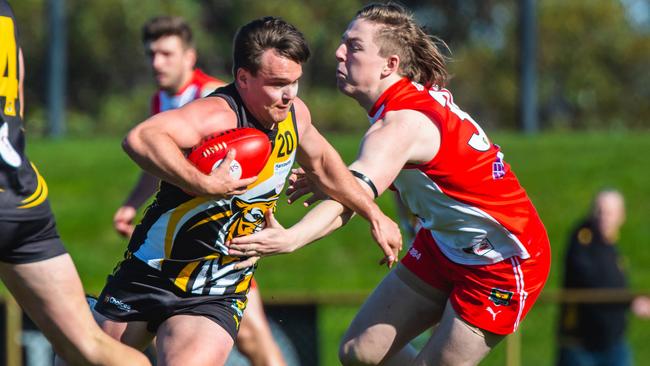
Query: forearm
323,219
334,179
145,187
157,154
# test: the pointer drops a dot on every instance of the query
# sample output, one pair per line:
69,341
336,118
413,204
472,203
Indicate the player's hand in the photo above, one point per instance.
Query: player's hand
300,185
248,262
387,234
273,239
123,220
221,184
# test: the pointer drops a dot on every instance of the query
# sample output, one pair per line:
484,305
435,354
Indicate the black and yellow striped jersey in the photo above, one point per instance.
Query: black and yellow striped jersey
23,192
183,236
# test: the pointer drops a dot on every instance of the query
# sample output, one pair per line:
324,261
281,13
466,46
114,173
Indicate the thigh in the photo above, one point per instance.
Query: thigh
254,324
51,293
401,307
133,333
29,241
456,342
192,340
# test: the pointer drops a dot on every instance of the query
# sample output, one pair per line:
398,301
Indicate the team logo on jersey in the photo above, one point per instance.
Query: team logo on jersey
500,297
415,253
498,167
248,217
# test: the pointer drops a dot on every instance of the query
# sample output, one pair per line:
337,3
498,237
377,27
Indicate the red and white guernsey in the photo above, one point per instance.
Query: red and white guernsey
194,89
467,196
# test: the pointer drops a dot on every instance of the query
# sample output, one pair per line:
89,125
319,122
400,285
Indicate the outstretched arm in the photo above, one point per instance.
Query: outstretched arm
383,153
325,167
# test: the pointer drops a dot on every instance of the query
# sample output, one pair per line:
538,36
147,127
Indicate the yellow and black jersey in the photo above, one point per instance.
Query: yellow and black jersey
183,236
23,192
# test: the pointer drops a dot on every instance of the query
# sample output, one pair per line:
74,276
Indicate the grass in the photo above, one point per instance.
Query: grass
89,179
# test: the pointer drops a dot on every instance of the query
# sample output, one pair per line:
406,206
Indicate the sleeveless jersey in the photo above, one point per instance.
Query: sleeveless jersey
467,195
183,236
194,89
23,192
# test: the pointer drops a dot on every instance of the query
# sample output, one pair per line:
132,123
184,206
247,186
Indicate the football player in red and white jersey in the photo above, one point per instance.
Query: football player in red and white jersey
482,255
172,56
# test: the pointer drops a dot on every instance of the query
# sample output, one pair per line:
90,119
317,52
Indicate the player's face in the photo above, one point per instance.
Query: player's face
359,67
270,94
171,61
610,212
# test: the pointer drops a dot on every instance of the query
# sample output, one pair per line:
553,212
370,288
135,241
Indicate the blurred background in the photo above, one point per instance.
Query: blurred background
570,108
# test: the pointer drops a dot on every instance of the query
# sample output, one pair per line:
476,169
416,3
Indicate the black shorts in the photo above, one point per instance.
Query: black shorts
29,241
137,292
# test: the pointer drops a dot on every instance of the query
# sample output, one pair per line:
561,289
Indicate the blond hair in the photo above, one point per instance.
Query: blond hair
399,34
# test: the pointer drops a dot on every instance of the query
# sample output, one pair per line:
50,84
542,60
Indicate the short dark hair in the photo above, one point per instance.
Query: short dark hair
163,26
266,33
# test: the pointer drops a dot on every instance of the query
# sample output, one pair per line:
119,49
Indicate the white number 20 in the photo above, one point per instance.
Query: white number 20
479,140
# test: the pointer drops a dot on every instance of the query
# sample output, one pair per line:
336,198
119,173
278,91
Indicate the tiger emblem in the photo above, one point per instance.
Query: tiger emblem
248,217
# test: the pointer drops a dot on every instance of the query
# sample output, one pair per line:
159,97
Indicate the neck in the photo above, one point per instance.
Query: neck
368,99
187,77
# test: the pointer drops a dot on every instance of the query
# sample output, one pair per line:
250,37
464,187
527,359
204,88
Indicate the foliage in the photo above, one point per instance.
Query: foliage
592,58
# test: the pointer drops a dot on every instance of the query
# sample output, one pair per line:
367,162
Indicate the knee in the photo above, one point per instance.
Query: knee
354,353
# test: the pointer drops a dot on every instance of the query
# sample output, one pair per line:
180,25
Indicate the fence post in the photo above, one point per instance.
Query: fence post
513,349
13,332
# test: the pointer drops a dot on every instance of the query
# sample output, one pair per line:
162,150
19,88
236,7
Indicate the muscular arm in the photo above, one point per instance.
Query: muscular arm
401,137
324,166
157,145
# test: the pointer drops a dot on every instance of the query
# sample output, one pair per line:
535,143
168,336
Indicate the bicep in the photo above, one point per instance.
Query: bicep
405,137
186,126
312,148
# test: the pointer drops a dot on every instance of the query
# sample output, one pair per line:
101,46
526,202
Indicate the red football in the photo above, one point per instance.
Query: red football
252,145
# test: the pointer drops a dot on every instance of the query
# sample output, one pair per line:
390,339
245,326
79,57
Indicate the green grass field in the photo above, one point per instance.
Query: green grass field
89,179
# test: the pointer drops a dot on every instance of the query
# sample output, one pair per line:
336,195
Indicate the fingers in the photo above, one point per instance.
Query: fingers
239,186
124,229
297,193
298,171
270,219
248,262
243,246
243,250
230,156
311,200
123,220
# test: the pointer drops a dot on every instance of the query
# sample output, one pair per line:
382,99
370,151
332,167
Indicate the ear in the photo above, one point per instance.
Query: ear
391,66
242,77
190,57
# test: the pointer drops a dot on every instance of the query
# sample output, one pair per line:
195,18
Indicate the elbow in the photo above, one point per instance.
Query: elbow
128,143
132,143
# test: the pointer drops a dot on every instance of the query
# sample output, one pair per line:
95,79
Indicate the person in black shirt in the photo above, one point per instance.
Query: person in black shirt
34,265
593,334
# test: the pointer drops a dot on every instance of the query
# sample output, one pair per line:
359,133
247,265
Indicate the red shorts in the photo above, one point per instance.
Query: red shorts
493,297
